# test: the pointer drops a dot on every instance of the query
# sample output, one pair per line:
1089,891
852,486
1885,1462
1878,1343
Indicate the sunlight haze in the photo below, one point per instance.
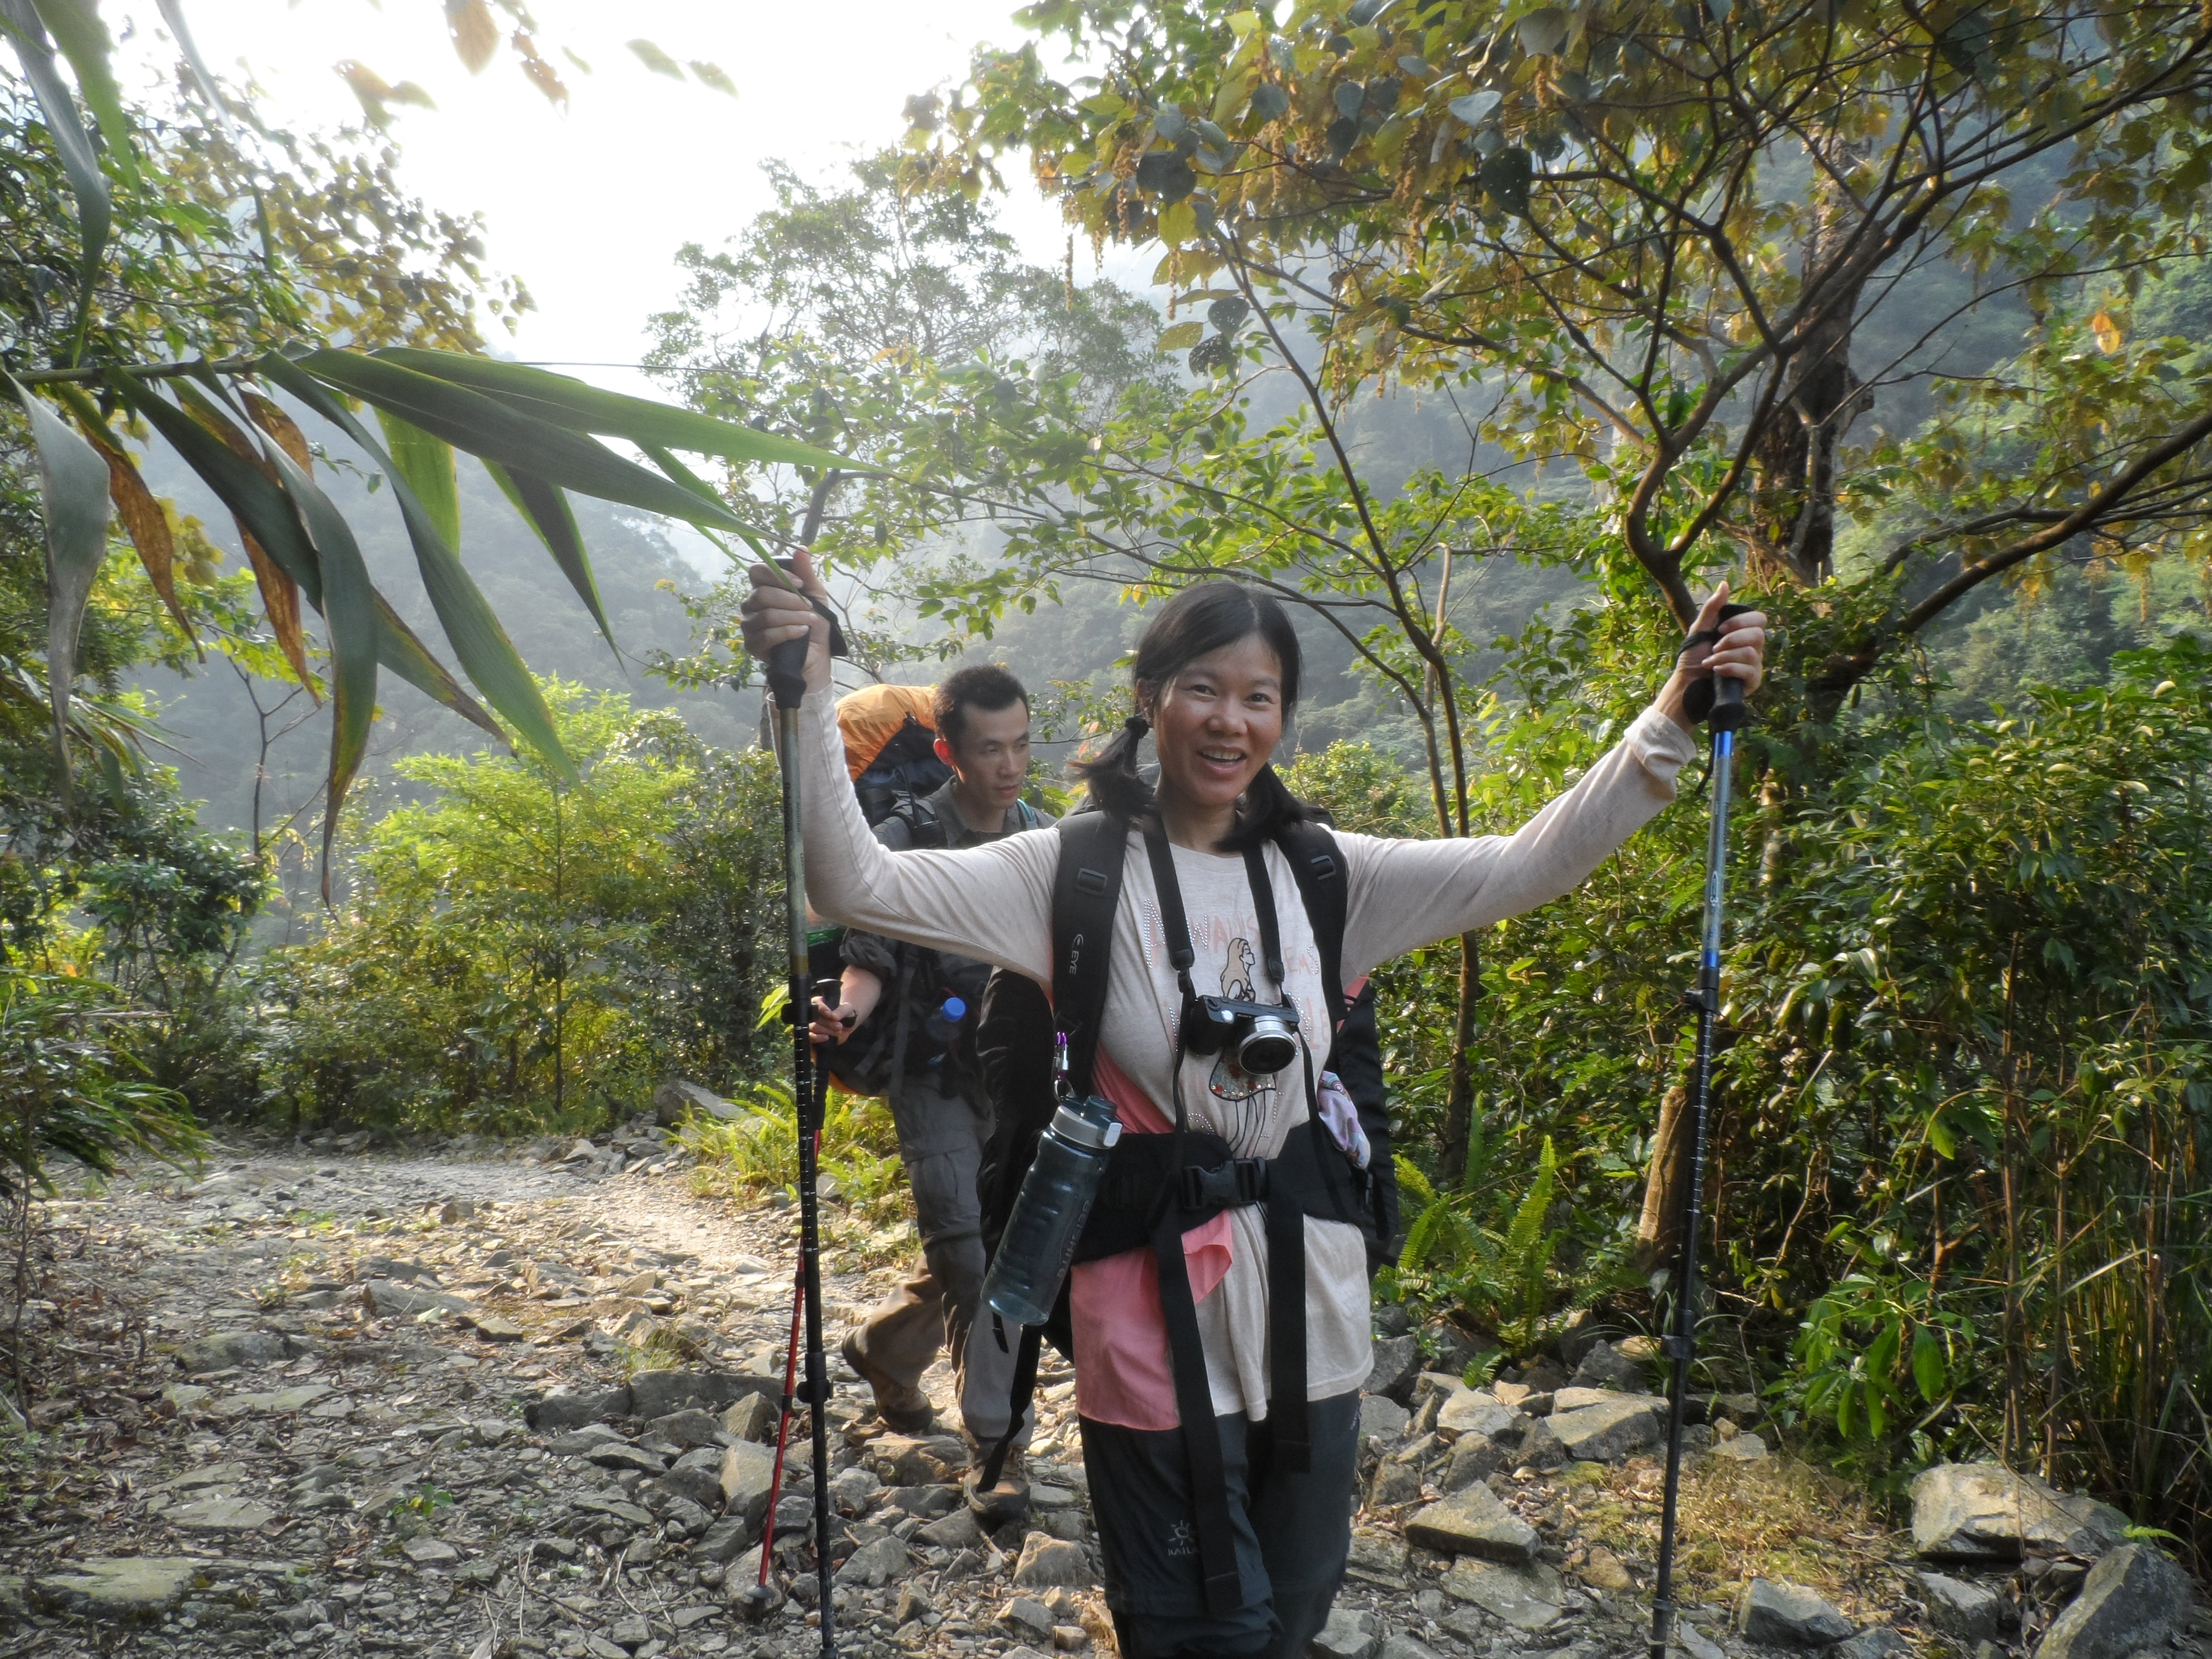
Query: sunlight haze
589,207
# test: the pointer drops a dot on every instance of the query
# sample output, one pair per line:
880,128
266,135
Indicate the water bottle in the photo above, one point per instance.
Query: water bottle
1054,1201
943,1023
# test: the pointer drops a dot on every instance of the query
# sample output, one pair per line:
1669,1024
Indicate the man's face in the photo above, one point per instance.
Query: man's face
992,758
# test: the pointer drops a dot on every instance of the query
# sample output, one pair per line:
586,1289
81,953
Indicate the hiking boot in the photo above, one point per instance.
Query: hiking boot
904,1409
1009,1500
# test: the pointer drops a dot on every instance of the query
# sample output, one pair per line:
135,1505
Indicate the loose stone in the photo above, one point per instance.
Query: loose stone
1474,1522
1787,1615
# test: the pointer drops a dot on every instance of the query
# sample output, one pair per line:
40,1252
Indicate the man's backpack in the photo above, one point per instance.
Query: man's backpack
903,770
906,1039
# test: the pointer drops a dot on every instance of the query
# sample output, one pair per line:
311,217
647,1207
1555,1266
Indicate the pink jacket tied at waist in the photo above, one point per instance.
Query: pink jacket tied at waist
1122,1372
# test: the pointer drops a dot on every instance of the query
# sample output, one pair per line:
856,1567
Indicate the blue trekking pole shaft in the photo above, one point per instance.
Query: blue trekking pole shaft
787,684
1727,715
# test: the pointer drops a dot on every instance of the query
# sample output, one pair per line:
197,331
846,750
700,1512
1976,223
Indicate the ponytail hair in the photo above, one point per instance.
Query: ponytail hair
1111,775
1198,621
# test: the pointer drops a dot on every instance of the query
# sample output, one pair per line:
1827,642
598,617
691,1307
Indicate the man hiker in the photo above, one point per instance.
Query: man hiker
920,1008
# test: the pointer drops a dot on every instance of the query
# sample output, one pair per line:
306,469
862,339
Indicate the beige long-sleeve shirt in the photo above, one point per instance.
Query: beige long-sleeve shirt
993,902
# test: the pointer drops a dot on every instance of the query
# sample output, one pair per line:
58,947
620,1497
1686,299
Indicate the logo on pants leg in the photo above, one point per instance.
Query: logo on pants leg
1183,1538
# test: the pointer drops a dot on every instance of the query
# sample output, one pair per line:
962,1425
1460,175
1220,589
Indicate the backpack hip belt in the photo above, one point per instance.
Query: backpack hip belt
1306,1178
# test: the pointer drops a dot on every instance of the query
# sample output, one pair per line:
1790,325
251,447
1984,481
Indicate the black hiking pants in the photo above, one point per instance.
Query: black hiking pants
1293,1533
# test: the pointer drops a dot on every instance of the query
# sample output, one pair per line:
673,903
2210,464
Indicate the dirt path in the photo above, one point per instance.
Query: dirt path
484,1406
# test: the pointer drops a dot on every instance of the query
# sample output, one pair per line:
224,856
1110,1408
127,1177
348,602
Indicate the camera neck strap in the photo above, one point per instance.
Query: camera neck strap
1175,921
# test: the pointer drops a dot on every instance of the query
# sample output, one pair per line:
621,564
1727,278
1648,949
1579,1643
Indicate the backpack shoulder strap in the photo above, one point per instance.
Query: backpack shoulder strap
1087,890
923,827
1318,863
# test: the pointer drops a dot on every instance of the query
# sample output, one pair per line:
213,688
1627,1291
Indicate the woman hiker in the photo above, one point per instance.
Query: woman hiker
1215,680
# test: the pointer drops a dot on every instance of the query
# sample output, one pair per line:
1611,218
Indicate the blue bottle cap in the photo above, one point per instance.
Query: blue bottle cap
954,1008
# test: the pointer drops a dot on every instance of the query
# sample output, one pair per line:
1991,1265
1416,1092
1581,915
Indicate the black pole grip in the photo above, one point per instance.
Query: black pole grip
786,672
787,664
1717,699
1728,712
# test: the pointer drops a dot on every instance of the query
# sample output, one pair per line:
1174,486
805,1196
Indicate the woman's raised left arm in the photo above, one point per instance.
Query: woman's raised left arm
1405,894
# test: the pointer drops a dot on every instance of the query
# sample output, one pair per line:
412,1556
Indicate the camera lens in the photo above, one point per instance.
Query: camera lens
1269,1047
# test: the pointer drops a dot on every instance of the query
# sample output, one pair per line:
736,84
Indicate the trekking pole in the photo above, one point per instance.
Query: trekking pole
1725,714
760,1590
787,684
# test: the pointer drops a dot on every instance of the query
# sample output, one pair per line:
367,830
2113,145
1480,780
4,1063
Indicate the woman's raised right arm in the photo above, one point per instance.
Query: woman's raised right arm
992,903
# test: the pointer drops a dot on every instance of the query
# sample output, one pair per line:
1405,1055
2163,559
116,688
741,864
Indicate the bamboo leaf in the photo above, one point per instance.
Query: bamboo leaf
426,464
545,509
488,428
564,401
486,655
280,602
1930,1374
243,485
83,39
350,619
73,495
399,649
172,13
364,631
279,583
72,143
284,560
271,419
143,518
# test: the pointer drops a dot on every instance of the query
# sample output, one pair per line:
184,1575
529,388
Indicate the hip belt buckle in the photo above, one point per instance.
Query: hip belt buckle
1239,1181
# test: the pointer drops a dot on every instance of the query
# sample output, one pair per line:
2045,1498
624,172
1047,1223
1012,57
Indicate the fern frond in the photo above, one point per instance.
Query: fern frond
1421,1236
1526,1233
1411,1181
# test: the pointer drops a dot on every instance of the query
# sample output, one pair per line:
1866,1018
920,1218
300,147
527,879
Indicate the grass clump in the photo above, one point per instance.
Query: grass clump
756,1153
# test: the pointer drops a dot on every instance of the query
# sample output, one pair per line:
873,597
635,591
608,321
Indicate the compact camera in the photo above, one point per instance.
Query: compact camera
1259,1037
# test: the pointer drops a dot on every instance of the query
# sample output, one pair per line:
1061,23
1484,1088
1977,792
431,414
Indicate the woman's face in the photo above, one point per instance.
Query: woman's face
1216,721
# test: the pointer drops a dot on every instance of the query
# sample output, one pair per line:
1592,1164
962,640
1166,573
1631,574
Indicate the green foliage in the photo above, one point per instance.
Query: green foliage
68,1091
757,1152
194,352
1681,250
1958,1164
519,950
1472,1249
895,325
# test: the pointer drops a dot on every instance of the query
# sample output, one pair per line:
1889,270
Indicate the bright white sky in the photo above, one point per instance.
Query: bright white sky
589,207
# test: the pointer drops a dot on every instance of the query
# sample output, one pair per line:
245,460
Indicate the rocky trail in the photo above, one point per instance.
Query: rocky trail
494,1402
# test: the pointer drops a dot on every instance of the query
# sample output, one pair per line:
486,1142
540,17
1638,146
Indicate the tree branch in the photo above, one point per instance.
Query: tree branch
2098,507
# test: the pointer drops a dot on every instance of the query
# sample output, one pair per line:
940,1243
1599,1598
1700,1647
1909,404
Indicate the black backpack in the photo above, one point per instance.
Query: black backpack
1013,1041
899,1044
904,770
1156,1187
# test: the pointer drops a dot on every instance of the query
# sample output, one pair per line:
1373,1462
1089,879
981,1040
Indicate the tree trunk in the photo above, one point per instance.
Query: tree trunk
1658,1230
1793,494
1458,1096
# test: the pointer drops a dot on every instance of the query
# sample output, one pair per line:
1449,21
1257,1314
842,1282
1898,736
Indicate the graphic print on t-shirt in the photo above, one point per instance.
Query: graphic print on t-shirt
1224,938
